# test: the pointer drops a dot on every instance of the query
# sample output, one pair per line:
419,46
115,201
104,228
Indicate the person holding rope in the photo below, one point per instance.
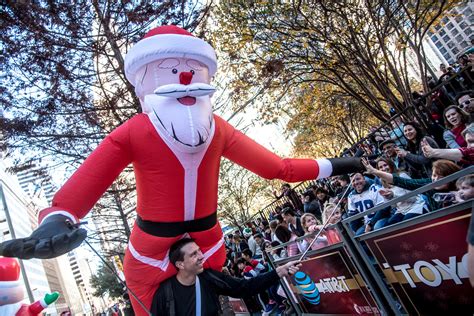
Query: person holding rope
195,290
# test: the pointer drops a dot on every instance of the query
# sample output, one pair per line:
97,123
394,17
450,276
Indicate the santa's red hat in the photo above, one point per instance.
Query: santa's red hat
167,42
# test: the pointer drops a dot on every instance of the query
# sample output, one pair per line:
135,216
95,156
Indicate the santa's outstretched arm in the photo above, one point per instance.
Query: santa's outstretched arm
58,232
249,154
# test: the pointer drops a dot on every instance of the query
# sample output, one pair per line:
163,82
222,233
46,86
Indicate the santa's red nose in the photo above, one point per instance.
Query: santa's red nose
185,77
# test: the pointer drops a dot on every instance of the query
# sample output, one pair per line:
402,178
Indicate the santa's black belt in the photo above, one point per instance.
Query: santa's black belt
173,229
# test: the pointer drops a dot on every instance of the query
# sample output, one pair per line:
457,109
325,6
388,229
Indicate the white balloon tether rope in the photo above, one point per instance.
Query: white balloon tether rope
327,222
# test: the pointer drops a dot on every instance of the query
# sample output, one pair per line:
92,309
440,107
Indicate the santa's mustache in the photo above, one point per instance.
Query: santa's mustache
176,90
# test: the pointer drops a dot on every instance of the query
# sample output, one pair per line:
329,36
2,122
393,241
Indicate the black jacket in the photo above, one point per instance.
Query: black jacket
217,282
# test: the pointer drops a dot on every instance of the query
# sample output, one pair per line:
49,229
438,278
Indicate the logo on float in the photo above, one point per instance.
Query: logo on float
307,288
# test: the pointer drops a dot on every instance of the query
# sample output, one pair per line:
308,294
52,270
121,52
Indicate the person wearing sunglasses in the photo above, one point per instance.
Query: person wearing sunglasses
389,150
465,101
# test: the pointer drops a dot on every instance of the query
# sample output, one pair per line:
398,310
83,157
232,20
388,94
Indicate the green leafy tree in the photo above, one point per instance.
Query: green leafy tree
105,282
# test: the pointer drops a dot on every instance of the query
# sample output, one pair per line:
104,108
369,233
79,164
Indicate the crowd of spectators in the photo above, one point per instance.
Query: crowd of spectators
411,151
403,155
245,259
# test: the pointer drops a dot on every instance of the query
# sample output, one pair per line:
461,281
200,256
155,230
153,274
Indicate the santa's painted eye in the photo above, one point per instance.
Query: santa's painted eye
175,71
192,71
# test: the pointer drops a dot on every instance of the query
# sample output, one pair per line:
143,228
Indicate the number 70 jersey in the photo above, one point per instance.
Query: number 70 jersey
361,202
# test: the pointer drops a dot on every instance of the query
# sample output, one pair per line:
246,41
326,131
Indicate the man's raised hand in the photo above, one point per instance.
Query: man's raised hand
289,268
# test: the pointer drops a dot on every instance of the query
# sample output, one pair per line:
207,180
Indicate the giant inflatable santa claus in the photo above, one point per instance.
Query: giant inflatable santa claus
175,147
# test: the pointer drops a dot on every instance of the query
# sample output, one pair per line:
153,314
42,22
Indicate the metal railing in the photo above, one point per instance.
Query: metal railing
300,188
370,146
355,245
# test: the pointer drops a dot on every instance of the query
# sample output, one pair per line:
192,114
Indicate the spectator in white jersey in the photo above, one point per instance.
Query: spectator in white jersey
362,198
405,209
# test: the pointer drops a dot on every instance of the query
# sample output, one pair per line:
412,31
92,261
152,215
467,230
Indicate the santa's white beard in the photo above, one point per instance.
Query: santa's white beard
188,127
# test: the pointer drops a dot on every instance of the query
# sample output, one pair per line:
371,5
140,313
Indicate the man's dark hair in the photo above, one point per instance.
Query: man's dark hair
356,173
288,211
175,251
344,177
241,260
309,193
282,233
287,205
258,235
247,252
321,190
387,141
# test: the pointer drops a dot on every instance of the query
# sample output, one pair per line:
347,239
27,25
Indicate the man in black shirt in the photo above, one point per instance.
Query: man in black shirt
195,289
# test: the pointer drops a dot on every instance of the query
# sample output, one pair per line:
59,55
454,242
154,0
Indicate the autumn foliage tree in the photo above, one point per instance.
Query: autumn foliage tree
356,51
324,124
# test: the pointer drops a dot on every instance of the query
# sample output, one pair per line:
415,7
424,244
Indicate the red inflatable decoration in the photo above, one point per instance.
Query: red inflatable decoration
11,292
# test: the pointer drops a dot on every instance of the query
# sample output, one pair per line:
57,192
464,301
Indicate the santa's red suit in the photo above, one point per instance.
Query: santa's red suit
175,147
172,187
